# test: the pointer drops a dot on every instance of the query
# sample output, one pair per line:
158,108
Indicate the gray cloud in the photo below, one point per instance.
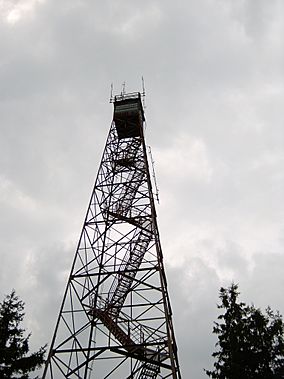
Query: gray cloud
214,83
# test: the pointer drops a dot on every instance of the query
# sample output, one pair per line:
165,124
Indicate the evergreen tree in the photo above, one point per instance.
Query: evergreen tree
250,343
14,345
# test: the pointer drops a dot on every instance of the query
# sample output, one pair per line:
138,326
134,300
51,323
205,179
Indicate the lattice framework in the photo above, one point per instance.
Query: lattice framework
115,320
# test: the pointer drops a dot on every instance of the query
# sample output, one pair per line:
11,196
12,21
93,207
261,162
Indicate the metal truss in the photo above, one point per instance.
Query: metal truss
115,320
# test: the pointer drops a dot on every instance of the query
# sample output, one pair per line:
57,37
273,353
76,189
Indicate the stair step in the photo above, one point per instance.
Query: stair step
149,371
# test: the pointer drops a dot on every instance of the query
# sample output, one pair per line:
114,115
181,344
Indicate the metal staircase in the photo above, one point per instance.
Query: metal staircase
130,183
127,272
133,341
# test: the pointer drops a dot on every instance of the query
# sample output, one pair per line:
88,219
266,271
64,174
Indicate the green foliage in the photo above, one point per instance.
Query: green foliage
250,343
14,346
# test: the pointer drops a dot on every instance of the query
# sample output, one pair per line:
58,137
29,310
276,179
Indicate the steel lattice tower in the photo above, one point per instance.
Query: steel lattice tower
115,320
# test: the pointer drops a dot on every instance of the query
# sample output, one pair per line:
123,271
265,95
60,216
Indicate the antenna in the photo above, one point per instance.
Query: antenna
143,93
111,93
123,88
153,174
143,87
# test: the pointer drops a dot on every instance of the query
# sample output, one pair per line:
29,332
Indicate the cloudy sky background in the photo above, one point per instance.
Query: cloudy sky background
214,77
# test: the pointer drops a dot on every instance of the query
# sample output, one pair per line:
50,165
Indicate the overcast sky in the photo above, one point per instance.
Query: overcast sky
214,78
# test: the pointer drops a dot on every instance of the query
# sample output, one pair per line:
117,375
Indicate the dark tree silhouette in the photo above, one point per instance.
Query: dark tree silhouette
14,345
250,342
